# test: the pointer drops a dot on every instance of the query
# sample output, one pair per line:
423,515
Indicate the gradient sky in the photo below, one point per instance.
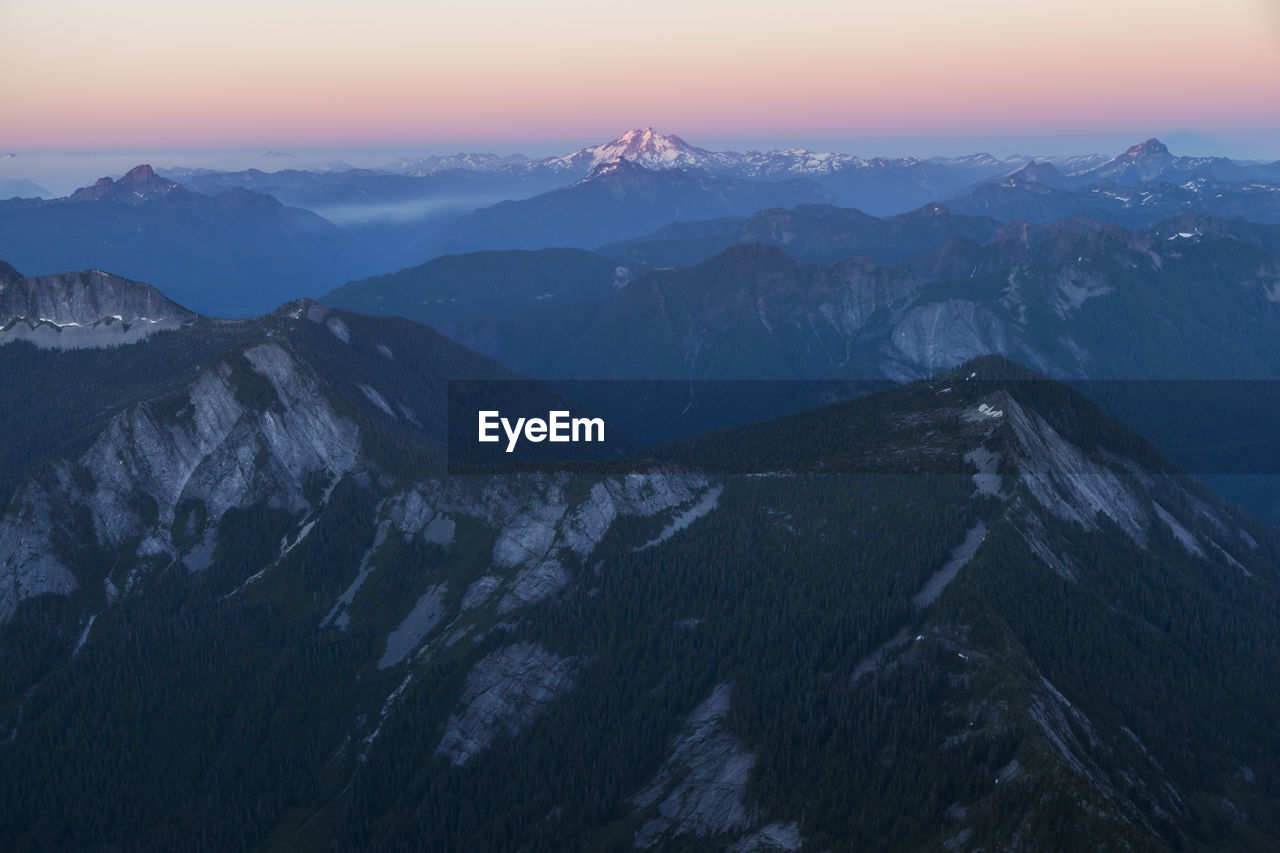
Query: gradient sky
504,74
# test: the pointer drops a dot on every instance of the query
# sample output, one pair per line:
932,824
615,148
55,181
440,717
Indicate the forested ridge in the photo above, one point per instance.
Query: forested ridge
1115,694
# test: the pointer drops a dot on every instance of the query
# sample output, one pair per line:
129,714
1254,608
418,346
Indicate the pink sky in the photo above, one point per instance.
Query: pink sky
143,72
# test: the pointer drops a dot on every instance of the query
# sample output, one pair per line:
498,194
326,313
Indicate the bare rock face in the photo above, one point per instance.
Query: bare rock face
504,692
1069,484
219,451
942,334
27,566
701,787
533,584
83,310
774,837
1079,487
536,524
216,450
529,536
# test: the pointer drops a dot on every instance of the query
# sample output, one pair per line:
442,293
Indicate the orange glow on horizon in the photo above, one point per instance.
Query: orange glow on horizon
144,72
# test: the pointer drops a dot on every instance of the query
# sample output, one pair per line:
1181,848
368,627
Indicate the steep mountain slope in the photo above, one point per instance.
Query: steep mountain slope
237,254
451,289
616,200
194,384
1020,628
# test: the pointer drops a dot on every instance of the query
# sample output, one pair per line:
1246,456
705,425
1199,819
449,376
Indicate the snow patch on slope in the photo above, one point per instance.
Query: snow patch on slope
338,615
425,615
377,399
1184,536
987,480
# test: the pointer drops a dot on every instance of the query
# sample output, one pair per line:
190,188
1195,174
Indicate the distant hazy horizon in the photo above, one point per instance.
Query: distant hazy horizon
919,77
61,171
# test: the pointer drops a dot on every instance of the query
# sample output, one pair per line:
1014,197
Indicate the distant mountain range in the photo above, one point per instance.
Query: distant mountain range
1074,299
20,188
423,187
824,233
455,289
616,200
1025,195
320,191
1152,161
1194,297
234,254
876,185
807,232
241,250
655,150
396,218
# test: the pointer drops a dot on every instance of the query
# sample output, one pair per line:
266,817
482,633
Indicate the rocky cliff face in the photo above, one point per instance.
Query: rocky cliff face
505,691
542,526
701,788
216,451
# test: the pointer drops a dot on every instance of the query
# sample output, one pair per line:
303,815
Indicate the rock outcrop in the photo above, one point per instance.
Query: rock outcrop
505,691
701,787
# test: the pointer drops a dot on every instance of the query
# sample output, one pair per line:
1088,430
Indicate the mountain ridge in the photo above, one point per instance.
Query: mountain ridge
615,200
70,310
1045,294
468,625
235,254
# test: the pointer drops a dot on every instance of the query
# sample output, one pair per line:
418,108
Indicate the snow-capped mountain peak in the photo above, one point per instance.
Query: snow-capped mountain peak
1150,148
645,146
